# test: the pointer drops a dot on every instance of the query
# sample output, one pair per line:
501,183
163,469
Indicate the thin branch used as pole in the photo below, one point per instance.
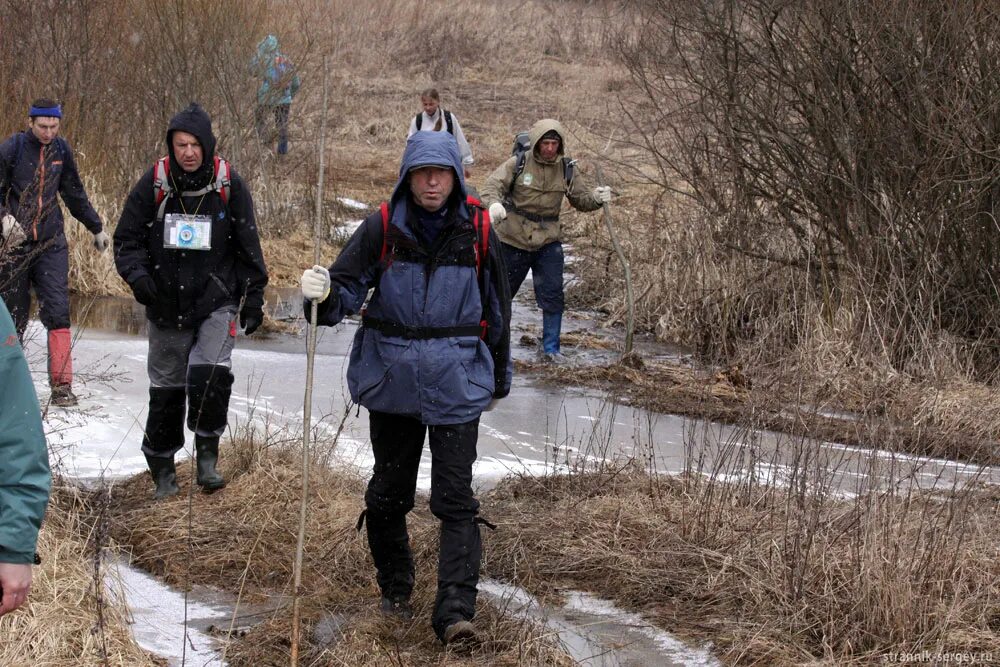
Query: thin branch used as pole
629,300
307,406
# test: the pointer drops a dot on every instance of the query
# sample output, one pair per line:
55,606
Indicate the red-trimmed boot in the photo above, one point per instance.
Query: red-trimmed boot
61,368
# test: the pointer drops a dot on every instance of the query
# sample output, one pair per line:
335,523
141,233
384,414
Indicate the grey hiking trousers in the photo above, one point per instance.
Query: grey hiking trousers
189,366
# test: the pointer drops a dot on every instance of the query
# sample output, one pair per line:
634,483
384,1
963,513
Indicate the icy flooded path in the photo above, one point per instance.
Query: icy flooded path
537,429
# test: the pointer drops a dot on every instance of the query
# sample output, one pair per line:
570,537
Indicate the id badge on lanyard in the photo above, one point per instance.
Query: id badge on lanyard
182,231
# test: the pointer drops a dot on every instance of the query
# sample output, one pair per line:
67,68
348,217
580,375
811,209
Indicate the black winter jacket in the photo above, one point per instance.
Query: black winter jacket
28,188
193,283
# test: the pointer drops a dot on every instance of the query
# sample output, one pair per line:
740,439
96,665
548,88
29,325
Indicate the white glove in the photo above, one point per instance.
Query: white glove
315,283
497,212
602,193
12,231
102,241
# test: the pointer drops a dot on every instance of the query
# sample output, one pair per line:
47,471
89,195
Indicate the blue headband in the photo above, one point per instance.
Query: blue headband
51,112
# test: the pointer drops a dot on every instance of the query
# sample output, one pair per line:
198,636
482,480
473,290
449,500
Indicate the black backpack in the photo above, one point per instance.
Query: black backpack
447,120
521,147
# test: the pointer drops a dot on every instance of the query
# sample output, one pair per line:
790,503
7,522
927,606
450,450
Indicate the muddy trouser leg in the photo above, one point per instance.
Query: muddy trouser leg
517,262
15,265
281,121
397,442
50,277
547,273
209,380
261,118
453,451
166,363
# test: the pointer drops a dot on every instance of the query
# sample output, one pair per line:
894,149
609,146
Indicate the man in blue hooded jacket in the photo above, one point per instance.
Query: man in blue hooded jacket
432,352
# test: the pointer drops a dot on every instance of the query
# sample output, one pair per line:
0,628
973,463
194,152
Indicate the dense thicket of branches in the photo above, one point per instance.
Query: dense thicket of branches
854,145
121,69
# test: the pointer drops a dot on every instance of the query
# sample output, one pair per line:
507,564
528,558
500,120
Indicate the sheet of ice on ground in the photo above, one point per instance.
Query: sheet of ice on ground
158,618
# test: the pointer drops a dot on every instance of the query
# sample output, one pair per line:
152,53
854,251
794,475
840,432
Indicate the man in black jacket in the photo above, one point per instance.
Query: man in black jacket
35,166
188,247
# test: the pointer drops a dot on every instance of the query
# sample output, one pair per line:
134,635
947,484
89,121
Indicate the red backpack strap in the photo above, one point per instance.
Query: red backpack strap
481,222
161,180
384,210
223,179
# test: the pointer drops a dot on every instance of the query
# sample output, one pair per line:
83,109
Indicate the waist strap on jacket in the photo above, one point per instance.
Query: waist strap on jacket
420,333
532,216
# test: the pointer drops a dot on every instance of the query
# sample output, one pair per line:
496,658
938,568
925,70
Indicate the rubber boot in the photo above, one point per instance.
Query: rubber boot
164,476
61,368
207,452
551,326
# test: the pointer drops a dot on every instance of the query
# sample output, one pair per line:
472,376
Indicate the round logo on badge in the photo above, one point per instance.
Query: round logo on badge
526,179
185,235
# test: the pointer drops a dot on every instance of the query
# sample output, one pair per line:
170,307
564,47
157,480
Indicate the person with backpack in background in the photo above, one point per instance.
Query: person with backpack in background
35,166
24,470
525,195
431,354
279,83
187,245
434,118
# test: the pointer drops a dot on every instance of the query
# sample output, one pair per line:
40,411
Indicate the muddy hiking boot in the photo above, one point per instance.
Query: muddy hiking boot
62,396
207,452
164,475
458,633
396,607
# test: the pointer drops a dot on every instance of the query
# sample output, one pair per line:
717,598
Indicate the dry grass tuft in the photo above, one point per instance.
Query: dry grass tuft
59,627
769,575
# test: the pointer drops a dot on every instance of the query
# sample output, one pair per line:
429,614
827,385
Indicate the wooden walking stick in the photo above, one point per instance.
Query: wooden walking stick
307,405
630,303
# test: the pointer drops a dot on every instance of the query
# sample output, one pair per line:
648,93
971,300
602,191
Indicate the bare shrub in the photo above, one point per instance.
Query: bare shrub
837,155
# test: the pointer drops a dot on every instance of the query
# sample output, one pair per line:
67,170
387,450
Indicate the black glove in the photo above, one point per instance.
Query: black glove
144,289
250,319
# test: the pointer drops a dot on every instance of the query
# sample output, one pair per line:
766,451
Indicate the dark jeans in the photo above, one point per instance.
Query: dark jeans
280,113
397,442
43,266
546,266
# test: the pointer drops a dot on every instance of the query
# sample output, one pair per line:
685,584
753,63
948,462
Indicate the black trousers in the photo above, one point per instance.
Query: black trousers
44,266
398,442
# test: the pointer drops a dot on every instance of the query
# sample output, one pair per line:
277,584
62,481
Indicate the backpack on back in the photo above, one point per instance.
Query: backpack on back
163,189
522,145
447,120
481,224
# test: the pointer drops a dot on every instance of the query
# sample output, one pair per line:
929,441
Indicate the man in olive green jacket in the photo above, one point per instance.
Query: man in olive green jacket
24,469
524,207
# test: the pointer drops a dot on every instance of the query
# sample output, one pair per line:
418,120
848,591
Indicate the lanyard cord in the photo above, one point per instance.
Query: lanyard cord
180,198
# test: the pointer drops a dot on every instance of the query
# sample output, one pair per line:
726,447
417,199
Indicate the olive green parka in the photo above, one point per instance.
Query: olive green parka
538,191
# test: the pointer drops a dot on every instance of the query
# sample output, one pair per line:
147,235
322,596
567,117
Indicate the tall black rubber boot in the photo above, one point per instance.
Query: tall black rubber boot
207,452
458,575
389,542
164,475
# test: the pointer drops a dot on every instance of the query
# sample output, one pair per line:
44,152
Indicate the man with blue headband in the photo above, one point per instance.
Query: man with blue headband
35,166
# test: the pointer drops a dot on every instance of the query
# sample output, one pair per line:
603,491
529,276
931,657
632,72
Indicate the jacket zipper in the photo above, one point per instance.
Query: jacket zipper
41,189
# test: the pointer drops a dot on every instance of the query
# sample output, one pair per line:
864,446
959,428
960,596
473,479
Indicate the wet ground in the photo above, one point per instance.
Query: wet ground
539,428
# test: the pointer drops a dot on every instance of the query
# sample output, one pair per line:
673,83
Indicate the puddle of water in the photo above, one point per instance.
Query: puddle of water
595,633
158,618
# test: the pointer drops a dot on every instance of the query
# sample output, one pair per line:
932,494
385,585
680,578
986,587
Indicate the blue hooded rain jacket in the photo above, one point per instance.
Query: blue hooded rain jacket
424,284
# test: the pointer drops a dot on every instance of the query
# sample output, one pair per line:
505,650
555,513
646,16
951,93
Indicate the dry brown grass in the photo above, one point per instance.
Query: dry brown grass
59,626
242,540
771,576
